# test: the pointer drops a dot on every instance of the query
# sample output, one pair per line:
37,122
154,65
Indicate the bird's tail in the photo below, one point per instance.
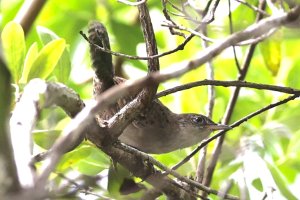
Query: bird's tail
102,61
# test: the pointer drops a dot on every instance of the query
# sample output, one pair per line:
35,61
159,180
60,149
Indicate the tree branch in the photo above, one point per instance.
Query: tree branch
79,124
21,125
287,90
232,102
235,124
28,13
119,122
9,178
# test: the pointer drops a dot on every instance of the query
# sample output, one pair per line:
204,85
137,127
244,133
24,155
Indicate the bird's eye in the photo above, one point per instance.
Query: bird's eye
198,119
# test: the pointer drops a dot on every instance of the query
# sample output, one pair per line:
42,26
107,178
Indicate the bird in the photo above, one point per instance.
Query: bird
156,130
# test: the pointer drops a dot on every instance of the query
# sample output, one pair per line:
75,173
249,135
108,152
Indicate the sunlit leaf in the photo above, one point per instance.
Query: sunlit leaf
9,10
86,159
63,67
45,139
294,144
292,78
14,48
46,35
257,184
94,163
29,59
47,59
124,33
229,169
72,158
271,52
281,182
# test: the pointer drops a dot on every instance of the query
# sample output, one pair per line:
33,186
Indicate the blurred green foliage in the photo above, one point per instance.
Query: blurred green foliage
269,143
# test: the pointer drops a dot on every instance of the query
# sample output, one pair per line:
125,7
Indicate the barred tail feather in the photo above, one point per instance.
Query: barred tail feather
102,61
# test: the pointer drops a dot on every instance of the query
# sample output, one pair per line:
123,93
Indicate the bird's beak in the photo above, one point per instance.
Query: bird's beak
218,127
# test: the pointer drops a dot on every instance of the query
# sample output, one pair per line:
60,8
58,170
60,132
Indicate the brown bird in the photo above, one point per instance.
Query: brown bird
157,129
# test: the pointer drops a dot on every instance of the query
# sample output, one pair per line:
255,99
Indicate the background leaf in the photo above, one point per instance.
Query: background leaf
47,59
271,52
64,19
14,48
63,67
31,56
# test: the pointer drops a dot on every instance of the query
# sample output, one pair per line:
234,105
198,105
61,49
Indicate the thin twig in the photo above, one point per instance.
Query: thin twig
120,120
238,66
254,8
168,18
287,90
211,102
179,47
236,124
194,32
225,189
232,102
210,14
169,171
258,39
205,38
77,126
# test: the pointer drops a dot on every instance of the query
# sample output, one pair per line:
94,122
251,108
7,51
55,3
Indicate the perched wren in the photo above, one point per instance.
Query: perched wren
157,129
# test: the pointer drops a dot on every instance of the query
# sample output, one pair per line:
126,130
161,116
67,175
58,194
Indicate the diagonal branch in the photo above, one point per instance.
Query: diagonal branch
137,159
119,122
79,124
110,96
37,95
28,13
235,124
260,86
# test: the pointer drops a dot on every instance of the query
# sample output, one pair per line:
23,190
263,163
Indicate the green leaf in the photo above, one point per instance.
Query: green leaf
14,48
116,176
63,67
29,59
281,182
94,163
47,59
46,139
257,184
271,52
128,32
46,35
9,10
70,159
86,159
292,78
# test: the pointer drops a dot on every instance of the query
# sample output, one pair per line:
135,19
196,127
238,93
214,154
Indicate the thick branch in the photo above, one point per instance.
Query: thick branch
22,124
84,118
28,13
118,123
79,125
110,96
235,124
9,180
